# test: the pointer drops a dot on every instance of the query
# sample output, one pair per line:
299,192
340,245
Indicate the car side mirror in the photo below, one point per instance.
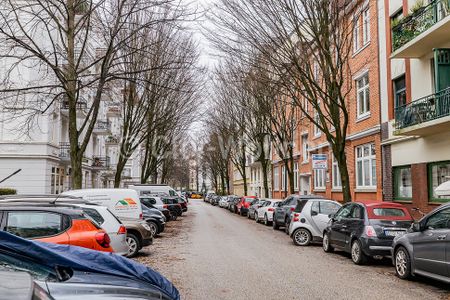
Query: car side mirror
314,213
331,216
416,227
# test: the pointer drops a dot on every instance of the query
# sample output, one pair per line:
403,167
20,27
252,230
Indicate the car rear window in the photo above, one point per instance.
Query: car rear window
249,200
390,213
95,215
300,205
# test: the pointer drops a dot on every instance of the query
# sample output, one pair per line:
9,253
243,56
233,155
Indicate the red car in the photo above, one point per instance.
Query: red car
244,204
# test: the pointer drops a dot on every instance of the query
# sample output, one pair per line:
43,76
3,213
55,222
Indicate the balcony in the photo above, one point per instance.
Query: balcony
101,162
81,106
112,140
64,152
425,116
417,34
114,110
102,127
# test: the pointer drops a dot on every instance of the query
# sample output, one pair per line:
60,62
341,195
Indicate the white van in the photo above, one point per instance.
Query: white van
123,203
154,189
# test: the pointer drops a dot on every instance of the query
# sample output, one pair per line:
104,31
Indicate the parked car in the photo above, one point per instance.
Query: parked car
244,204
223,202
52,223
66,272
156,202
172,204
232,206
17,284
155,219
139,235
153,189
310,219
196,195
282,214
265,212
424,249
252,209
183,204
366,229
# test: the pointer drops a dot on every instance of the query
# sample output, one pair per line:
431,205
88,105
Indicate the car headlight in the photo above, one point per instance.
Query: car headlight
146,227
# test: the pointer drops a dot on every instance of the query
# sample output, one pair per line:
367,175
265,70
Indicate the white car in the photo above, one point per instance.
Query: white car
152,201
265,212
223,202
110,224
309,220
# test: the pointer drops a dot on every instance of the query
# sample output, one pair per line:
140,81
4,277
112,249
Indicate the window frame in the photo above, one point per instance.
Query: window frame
396,171
366,98
398,92
276,178
305,148
366,26
430,182
370,158
63,226
283,178
323,178
296,176
335,171
356,34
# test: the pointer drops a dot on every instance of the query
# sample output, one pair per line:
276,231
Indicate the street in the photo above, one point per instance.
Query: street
213,254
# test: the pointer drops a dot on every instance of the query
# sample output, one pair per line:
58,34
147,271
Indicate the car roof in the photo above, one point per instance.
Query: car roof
306,196
70,210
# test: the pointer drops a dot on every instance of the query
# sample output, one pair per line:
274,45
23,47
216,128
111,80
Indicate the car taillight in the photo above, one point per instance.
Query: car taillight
103,239
369,231
141,216
165,206
122,230
271,209
292,208
296,217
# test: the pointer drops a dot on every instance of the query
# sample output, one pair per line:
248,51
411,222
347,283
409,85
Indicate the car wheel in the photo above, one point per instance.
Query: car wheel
256,218
153,228
266,220
402,263
358,256
248,215
286,226
133,245
174,217
326,243
274,224
301,237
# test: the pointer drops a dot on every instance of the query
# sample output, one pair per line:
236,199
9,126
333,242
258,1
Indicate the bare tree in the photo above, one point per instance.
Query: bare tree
72,49
305,46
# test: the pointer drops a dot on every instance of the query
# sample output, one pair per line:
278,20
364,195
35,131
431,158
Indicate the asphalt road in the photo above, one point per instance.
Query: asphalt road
219,255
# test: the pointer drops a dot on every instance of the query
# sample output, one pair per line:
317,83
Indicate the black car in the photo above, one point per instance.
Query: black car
173,205
366,229
282,213
154,218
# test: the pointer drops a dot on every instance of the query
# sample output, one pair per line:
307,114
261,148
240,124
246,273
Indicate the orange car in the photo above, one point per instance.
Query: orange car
52,223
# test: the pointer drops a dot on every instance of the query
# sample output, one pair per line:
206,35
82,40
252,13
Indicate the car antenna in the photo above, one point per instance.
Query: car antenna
56,199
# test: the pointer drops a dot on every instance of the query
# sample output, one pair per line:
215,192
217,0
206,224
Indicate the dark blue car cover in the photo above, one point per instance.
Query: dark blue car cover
86,260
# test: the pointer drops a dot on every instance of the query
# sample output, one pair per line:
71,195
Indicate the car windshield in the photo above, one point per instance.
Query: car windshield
19,264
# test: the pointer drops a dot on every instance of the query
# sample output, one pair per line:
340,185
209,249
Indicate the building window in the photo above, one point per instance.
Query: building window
57,181
356,42
317,131
276,179
337,182
363,96
438,173
366,167
366,26
319,179
305,148
402,183
400,91
283,178
296,178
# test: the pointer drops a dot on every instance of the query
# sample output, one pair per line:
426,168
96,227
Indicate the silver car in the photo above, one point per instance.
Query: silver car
309,220
425,248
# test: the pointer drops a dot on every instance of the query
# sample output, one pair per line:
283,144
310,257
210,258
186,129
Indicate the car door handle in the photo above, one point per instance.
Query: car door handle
441,237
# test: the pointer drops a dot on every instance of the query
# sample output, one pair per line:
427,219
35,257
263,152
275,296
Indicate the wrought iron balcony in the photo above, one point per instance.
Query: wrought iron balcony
426,109
102,127
112,140
101,162
418,22
64,151
114,110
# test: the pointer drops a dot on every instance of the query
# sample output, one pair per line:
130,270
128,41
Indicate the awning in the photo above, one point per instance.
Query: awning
443,189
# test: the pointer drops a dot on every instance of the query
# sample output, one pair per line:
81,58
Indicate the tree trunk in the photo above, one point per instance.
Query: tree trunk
290,170
265,167
341,159
119,169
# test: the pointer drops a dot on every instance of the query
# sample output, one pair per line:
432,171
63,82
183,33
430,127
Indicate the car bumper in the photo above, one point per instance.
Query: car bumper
161,227
119,243
244,210
147,242
377,247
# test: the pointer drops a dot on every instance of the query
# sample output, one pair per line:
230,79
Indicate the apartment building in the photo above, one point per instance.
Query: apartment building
364,132
415,56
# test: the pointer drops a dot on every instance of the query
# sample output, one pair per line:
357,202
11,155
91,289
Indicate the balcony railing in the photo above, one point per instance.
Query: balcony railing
418,22
81,105
102,125
64,151
101,162
426,109
114,109
112,140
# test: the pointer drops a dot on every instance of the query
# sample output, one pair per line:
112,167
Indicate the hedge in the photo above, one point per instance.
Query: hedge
5,191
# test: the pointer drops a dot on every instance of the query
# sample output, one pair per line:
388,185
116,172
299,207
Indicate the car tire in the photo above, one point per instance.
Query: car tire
133,244
402,263
241,213
326,246
174,217
153,228
248,215
301,237
256,218
275,226
266,220
357,254
286,226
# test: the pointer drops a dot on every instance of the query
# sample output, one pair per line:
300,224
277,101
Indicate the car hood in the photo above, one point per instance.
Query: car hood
86,260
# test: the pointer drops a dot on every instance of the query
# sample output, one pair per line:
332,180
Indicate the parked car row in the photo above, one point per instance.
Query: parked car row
367,231
79,225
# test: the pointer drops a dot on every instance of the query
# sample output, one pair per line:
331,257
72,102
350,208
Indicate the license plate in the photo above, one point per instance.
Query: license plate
393,233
